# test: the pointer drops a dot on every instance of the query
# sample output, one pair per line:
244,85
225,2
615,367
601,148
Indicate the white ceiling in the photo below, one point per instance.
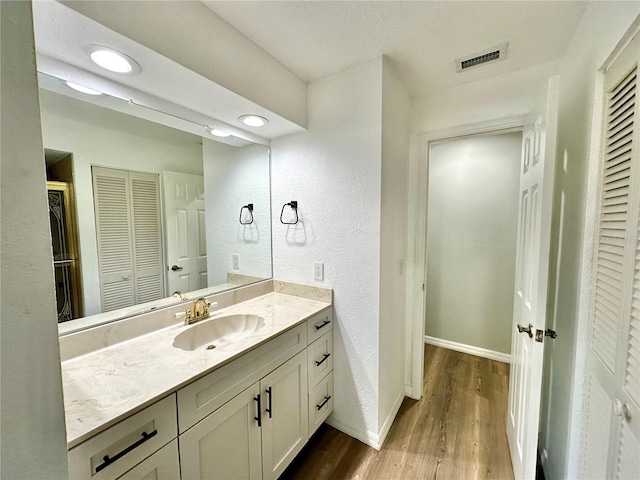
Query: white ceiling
62,34
421,38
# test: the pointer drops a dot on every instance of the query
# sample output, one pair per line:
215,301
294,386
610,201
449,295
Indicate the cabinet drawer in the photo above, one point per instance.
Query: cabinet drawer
204,396
320,403
162,465
126,444
319,324
320,359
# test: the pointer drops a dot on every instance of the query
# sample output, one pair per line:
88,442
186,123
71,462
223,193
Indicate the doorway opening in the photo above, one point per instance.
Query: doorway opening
472,217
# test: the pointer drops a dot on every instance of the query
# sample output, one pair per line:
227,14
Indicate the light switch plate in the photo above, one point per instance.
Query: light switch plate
318,271
236,261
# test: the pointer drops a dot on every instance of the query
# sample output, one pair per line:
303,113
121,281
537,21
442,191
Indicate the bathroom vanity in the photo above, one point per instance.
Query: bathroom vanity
236,399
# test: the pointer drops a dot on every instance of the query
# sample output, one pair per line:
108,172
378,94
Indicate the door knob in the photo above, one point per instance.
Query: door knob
528,330
175,268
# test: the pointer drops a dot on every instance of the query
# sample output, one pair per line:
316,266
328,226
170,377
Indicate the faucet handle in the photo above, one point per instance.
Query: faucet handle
186,314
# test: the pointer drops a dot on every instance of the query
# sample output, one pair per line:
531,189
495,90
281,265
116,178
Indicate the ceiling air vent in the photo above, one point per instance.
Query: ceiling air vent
490,55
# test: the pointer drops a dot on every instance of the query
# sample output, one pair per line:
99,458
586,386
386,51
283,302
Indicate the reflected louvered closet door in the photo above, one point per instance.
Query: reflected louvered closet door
611,434
129,237
147,242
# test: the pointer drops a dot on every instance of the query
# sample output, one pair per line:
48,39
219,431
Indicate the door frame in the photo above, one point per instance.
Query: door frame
417,235
578,397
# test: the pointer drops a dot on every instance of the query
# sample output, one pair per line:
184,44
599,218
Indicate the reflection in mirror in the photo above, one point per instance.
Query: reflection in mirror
140,209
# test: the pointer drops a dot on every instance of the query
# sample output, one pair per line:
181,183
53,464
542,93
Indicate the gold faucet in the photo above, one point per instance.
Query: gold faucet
199,311
180,295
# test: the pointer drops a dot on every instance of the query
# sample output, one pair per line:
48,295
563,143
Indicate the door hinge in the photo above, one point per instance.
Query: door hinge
540,334
423,287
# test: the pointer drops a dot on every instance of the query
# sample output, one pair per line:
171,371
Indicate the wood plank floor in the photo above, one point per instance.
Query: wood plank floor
456,431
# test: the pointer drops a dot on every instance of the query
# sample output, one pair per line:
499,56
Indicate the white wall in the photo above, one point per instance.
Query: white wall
396,123
333,171
601,27
234,177
498,97
33,430
94,145
471,240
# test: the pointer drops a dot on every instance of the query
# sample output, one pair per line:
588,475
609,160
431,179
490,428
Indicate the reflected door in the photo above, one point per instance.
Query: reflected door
185,231
65,252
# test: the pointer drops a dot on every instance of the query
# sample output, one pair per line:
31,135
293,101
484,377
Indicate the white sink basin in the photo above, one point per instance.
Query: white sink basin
218,330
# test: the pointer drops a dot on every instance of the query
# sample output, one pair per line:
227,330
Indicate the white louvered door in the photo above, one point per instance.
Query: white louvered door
113,230
147,239
611,443
129,237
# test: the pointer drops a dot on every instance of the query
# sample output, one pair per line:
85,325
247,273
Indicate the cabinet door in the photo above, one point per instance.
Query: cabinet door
162,465
226,444
285,421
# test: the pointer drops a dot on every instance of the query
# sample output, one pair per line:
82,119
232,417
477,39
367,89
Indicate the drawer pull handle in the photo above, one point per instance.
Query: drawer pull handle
320,362
323,324
326,399
269,409
259,417
109,460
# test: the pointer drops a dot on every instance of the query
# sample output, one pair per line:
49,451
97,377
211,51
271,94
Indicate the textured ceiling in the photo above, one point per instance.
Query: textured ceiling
422,39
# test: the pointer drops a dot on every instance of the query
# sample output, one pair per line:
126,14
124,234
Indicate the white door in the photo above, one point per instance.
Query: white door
285,415
185,231
611,436
226,444
530,297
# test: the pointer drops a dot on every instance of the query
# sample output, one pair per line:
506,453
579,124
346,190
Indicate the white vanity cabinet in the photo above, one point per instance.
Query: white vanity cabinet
113,452
247,419
320,368
256,434
162,465
285,427
227,443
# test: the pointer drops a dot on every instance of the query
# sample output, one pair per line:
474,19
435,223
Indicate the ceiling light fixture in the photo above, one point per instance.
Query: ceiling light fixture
217,132
253,120
113,60
82,89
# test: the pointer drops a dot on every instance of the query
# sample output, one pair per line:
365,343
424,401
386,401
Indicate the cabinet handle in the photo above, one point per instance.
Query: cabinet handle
323,324
259,417
326,399
268,390
320,362
109,460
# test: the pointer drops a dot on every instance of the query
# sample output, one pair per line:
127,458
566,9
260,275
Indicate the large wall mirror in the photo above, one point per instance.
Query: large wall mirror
144,210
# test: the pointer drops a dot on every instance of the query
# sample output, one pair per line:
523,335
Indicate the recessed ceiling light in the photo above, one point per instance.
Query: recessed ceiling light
216,132
113,60
253,120
81,89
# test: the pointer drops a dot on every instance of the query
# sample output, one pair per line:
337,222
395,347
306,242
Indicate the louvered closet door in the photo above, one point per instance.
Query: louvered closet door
113,229
147,240
611,443
129,237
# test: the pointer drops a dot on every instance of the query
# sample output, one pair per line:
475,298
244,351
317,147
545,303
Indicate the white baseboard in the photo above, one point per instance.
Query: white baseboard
388,422
368,438
355,431
461,347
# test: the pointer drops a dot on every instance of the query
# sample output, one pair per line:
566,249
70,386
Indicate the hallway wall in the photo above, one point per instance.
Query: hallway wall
471,240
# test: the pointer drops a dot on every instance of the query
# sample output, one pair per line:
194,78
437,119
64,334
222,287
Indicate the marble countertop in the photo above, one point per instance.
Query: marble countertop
108,385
